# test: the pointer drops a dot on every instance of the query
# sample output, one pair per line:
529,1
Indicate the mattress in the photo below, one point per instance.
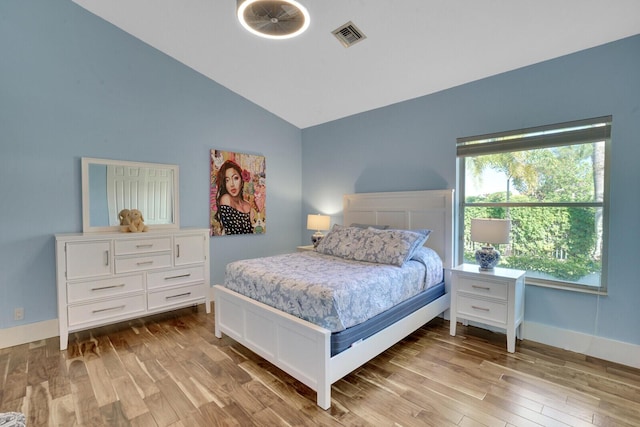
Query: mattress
334,293
344,339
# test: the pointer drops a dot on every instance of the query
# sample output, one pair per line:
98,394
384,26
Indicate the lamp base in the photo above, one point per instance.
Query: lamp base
316,237
487,257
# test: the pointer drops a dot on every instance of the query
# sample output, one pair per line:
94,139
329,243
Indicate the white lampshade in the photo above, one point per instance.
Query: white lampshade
488,230
318,222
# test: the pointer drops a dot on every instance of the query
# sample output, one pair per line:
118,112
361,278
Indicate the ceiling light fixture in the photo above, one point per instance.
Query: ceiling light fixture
273,19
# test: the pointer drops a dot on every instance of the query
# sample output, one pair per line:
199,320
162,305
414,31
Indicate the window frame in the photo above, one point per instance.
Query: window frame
548,136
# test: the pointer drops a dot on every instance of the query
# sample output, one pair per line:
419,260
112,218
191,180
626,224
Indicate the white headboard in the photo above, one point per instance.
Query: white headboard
432,209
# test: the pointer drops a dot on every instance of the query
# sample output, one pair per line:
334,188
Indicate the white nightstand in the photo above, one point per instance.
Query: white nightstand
493,298
305,248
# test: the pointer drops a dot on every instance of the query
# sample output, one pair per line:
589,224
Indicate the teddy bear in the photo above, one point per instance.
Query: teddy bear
135,222
124,217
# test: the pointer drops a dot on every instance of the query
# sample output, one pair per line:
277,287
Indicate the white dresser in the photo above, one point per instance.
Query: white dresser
105,278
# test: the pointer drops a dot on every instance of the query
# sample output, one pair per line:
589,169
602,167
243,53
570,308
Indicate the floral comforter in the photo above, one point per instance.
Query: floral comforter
332,292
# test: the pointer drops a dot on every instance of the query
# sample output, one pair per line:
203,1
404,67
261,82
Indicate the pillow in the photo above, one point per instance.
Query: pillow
338,241
424,235
432,262
379,227
392,247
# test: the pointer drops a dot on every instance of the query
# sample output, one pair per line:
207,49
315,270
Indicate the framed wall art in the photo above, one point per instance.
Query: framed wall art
238,193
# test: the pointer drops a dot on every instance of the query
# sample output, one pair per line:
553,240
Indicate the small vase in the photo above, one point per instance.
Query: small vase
315,239
487,257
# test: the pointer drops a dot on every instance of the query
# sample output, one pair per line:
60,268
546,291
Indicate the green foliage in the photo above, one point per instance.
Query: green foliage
555,241
571,269
558,241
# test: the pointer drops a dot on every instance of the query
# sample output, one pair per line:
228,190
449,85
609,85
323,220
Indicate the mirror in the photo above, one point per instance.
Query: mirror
108,186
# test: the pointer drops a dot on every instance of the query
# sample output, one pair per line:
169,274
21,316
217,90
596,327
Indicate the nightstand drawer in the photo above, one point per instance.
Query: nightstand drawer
482,287
482,309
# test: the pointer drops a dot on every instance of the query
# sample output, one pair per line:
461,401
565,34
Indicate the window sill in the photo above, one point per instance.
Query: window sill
529,281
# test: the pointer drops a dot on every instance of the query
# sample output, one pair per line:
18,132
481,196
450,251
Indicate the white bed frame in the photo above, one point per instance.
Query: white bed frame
302,349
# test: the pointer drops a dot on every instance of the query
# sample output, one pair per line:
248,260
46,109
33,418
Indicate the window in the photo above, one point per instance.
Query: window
551,181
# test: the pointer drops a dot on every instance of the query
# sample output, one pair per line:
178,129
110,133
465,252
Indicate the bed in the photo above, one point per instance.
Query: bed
319,355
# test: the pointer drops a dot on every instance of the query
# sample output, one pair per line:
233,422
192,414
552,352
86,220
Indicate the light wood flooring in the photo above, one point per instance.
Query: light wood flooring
170,370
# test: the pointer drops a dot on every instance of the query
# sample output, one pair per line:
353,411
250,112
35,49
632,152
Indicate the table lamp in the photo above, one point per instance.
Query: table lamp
488,231
319,223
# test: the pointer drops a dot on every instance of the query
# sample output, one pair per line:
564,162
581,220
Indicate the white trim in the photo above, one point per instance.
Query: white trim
590,345
28,333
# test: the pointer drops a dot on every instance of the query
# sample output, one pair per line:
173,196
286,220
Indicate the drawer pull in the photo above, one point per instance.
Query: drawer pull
186,294
144,263
178,276
475,307
177,251
148,245
106,257
484,288
120,307
108,287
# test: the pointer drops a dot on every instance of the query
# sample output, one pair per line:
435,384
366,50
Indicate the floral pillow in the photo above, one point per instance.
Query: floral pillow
392,247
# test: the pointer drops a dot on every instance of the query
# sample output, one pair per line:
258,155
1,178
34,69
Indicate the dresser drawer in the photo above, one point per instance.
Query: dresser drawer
174,296
481,287
117,307
83,291
175,277
482,309
141,246
141,263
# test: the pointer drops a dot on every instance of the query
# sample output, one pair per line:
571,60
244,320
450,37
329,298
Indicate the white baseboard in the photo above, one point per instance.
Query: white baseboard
590,345
28,333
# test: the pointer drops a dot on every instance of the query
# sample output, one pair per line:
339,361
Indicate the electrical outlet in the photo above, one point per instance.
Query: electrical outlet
18,313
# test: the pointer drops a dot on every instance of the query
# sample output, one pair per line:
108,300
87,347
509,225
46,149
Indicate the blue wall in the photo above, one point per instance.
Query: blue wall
411,146
72,86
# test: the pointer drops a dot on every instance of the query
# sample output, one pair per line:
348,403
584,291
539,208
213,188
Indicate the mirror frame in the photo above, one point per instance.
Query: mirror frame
86,212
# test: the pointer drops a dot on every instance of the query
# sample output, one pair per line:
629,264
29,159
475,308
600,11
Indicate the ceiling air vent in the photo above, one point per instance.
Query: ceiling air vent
348,34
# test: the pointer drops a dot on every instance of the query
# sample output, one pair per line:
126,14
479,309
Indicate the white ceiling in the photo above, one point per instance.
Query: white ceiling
413,47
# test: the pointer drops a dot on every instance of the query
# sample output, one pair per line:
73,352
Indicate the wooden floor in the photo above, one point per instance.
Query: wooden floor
170,370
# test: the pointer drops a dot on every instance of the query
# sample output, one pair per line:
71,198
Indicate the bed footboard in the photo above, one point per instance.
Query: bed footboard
301,349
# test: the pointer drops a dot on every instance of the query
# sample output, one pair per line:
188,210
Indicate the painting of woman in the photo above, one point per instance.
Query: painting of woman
238,193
